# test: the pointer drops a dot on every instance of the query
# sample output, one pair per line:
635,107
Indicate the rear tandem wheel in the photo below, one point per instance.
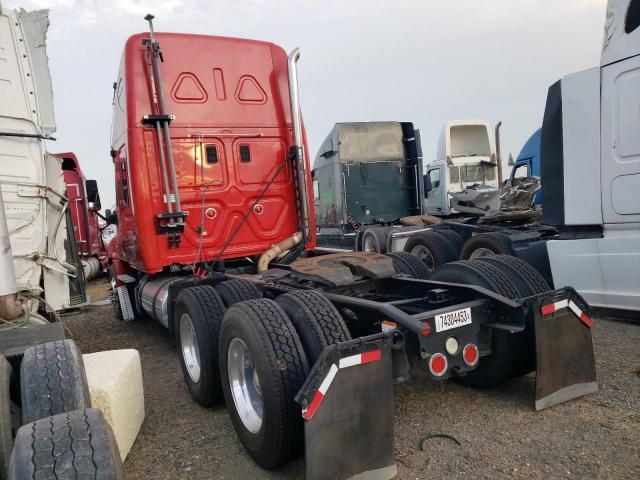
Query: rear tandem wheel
263,366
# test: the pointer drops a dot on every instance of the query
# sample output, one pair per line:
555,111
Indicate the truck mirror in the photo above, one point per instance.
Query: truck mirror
427,184
93,197
107,212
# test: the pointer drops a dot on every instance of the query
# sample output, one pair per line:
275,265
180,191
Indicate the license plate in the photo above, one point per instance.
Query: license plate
455,319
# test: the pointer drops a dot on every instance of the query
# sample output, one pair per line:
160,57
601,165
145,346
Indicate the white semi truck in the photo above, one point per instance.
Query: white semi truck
48,429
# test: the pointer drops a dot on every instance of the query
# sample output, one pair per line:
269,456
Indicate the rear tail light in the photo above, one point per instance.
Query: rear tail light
471,355
438,364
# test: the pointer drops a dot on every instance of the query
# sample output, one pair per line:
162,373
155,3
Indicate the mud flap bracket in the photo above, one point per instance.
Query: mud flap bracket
348,409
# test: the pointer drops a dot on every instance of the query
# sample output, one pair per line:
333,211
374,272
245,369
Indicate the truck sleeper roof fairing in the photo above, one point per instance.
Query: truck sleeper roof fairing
231,132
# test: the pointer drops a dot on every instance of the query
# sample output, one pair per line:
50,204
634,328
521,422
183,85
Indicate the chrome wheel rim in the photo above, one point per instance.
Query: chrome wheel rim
425,256
481,252
245,385
190,350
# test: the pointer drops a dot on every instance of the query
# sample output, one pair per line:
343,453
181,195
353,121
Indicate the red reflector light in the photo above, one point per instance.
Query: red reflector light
426,330
438,364
470,354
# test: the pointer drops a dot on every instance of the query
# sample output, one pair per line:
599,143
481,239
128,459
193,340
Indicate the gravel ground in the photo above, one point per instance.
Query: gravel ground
499,433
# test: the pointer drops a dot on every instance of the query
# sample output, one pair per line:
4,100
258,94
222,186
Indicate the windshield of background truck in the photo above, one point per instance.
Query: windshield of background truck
469,141
479,173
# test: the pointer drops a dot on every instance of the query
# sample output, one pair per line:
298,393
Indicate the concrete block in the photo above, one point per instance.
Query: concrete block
115,385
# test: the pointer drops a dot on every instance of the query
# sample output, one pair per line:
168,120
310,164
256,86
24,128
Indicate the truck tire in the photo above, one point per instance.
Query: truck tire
531,283
69,446
432,249
486,244
454,237
507,349
374,240
6,431
52,380
409,264
316,320
235,291
520,271
358,240
198,317
262,355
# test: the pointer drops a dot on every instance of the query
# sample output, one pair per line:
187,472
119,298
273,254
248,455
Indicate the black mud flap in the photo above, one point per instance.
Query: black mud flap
564,349
348,407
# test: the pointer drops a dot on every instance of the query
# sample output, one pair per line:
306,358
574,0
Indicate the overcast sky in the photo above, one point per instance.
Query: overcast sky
423,61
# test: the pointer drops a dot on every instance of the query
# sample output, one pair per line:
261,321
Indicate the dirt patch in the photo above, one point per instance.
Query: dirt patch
442,430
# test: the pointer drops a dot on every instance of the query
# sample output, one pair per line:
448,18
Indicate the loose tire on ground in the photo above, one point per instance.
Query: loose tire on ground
484,244
316,320
432,249
409,264
239,290
277,363
69,446
508,350
198,317
374,240
6,432
454,237
52,380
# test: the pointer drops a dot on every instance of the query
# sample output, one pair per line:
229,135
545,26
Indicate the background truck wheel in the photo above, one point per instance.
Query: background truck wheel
485,244
263,365
374,240
358,241
6,431
454,237
405,262
198,318
234,291
68,446
508,350
316,320
432,249
52,380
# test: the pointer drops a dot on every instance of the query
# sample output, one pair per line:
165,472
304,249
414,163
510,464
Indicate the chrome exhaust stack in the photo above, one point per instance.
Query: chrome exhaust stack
296,120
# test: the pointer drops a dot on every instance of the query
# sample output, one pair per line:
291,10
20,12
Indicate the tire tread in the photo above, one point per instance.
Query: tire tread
53,380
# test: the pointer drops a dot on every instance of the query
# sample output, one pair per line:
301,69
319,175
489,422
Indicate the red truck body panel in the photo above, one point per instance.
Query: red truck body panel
225,93
85,223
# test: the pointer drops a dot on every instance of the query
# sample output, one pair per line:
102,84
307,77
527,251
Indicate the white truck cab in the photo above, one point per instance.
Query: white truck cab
590,151
464,178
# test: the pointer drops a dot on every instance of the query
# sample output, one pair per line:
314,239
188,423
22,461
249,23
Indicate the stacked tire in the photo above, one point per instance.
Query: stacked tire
512,354
61,437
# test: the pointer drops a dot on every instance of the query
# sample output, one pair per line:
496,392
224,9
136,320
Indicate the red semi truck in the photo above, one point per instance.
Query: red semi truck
84,205
215,241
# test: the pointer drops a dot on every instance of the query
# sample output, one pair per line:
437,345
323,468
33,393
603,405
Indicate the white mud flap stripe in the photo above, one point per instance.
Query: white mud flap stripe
554,307
359,359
